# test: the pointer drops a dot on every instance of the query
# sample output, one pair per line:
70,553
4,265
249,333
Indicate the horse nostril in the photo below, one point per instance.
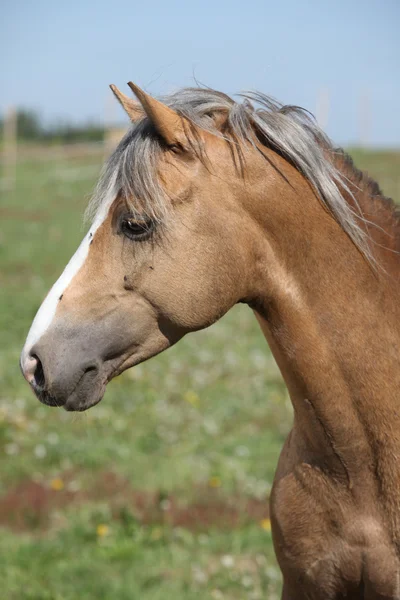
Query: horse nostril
38,376
91,368
28,367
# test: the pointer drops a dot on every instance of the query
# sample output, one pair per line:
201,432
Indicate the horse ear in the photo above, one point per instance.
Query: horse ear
167,122
132,108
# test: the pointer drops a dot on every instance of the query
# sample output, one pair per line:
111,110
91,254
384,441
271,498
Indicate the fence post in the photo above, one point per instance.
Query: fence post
10,149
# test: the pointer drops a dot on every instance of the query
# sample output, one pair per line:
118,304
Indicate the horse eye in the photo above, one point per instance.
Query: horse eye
136,229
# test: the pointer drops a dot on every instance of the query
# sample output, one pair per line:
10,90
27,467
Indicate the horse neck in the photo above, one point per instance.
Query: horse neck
332,323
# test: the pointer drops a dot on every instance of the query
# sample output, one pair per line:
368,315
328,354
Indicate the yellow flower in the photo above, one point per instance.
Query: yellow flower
102,530
156,534
192,398
57,484
266,524
214,482
21,423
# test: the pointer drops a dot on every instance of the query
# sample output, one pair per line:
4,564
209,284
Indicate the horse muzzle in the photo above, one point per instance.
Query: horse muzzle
68,367
57,385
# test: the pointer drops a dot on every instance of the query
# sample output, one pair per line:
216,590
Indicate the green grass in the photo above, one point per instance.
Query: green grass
137,562
161,490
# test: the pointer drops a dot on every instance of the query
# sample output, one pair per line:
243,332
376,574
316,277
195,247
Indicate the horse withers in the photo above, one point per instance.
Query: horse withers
205,203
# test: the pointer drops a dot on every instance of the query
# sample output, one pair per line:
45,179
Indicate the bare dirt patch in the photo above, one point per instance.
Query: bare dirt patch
30,504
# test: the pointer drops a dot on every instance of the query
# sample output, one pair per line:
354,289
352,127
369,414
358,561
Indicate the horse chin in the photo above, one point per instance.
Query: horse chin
72,406
92,386
88,393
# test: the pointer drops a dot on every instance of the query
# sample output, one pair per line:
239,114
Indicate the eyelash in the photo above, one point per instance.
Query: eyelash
136,229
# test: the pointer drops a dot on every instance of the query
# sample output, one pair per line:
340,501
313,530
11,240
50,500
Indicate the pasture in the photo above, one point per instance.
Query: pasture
161,490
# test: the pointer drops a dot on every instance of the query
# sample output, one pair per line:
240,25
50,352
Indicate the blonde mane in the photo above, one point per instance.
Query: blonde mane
288,130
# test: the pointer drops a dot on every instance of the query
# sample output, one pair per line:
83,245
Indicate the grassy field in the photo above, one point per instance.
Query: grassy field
160,492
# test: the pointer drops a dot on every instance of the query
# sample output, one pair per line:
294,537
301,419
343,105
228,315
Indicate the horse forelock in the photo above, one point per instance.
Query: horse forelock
291,131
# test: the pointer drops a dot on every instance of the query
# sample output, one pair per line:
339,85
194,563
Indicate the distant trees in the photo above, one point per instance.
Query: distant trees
31,128
28,125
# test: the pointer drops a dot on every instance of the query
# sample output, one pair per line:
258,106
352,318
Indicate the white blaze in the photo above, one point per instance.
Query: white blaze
48,308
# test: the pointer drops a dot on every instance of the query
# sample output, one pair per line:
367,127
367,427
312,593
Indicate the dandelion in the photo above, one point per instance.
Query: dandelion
21,422
214,482
102,530
57,484
192,398
265,524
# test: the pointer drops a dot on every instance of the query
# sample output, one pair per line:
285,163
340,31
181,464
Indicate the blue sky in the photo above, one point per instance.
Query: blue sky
59,57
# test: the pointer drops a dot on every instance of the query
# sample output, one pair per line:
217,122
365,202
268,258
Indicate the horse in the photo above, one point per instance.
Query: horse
208,202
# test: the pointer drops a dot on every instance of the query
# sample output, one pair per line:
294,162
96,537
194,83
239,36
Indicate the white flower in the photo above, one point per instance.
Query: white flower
20,403
247,581
199,575
242,451
53,438
203,539
227,561
11,449
165,504
40,451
